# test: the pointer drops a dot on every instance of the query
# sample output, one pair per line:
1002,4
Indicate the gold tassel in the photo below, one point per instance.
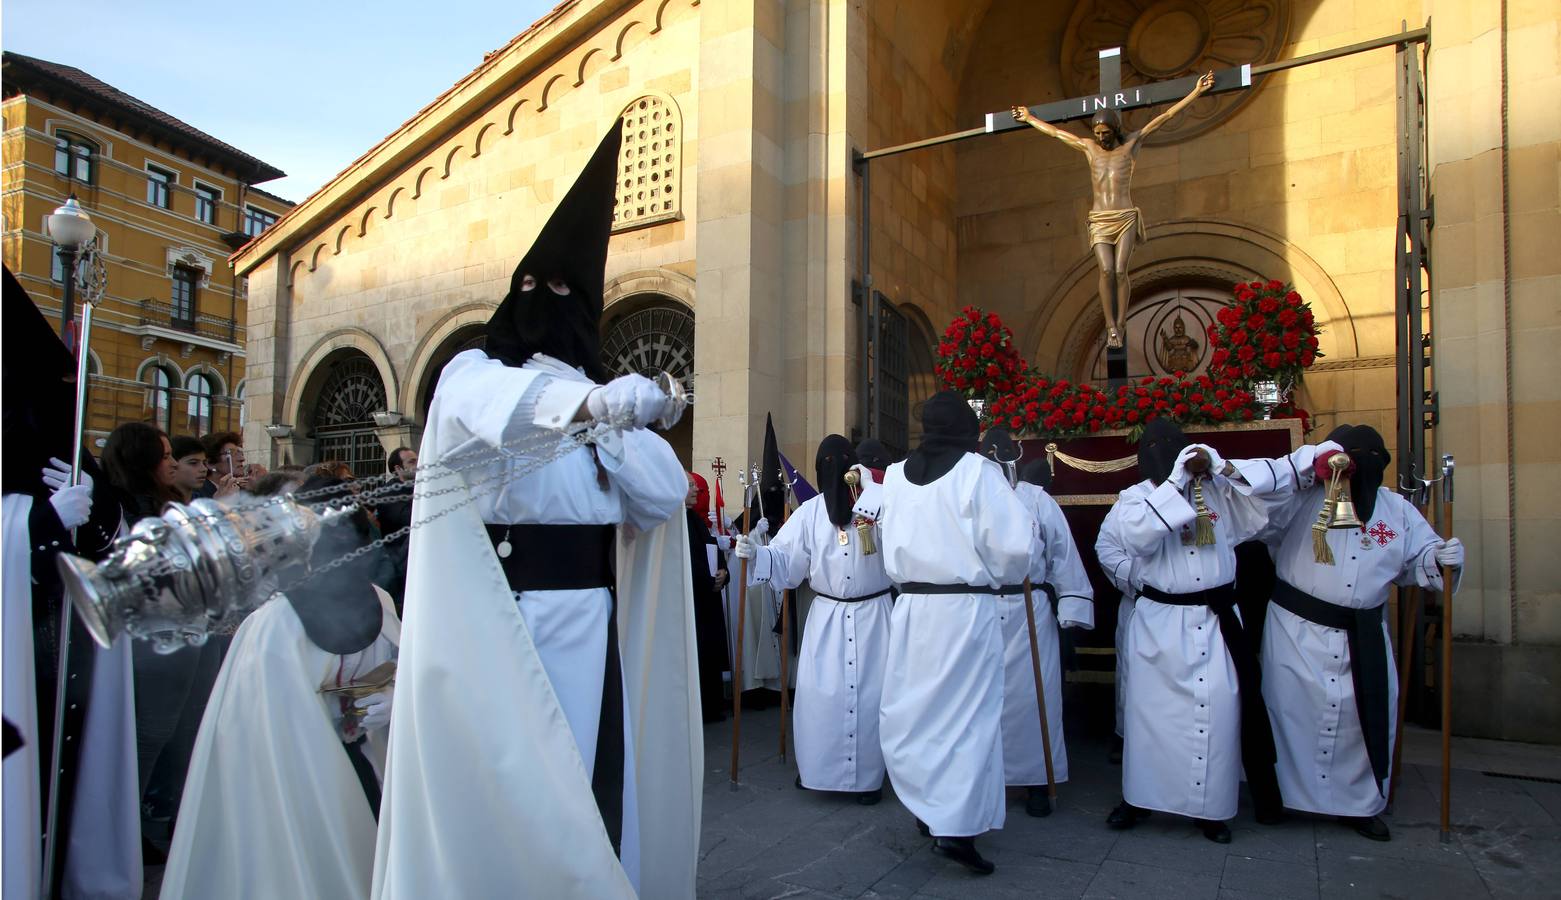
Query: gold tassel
1205,528
1320,549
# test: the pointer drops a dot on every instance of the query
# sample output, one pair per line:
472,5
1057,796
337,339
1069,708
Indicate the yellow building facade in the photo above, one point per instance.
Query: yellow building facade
170,204
746,117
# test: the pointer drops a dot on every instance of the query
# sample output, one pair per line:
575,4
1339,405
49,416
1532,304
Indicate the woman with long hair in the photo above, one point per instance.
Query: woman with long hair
139,461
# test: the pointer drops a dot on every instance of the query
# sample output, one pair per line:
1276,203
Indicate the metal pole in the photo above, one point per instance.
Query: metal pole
785,635
737,659
1447,651
51,849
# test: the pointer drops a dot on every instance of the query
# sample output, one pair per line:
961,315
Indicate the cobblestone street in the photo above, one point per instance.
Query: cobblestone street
766,839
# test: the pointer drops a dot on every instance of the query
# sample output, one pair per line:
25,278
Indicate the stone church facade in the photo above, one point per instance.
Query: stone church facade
736,252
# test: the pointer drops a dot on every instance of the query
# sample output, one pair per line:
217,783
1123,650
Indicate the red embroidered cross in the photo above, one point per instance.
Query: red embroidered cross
1213,516
1382,533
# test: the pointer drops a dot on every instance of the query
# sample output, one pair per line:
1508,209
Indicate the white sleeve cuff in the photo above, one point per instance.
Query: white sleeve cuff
761,567
1258,476
1076,612
1171,507
561,399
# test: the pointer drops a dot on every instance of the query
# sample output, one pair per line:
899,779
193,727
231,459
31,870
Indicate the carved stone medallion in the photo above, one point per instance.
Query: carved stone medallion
1163,39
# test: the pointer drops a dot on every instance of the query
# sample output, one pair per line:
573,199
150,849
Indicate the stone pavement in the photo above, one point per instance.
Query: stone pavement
766,839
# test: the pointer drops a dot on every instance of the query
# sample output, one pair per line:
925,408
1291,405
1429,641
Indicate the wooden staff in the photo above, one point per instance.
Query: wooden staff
785,639
1447,650
1040,693
737,659
1409,612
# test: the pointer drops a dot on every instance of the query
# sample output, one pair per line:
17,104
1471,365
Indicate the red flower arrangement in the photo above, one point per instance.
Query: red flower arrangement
1267,334
977,357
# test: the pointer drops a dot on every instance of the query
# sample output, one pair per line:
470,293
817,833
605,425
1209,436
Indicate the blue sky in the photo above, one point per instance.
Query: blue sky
307,87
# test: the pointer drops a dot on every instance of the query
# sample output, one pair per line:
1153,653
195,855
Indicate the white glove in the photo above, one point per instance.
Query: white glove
376,711
1450,554
57,475
710,517
760,528
1216,462
744,547
1179,473
723,542
632,400
869,503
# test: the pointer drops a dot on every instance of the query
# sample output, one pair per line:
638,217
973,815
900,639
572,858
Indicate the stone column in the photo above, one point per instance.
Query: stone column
265,362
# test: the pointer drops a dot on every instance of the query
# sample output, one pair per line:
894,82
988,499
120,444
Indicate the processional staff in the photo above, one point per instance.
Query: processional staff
785,613
750,485
1447,649
1409,617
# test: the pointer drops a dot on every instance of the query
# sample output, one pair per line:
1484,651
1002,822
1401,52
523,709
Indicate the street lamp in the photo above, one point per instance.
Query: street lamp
70,228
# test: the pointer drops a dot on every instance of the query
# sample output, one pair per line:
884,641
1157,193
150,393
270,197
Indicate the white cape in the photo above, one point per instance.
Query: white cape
272,806
485,793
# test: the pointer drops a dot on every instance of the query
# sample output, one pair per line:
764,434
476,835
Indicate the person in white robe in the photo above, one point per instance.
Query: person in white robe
283,786
845,637
1057,577
1190,724
1328,673
948,538
547,738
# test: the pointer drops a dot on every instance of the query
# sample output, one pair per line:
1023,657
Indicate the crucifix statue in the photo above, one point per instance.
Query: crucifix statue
1115,224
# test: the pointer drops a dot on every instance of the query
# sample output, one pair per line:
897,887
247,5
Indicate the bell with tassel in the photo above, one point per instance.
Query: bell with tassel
1338,511
864,526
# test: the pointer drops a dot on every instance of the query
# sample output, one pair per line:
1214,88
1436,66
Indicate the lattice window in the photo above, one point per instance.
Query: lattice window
651,341
648,164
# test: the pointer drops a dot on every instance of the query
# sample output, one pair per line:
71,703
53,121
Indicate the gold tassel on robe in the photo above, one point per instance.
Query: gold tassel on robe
1320,549
1204,530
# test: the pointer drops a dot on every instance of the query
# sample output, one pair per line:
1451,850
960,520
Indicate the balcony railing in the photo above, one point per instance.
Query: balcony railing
161,314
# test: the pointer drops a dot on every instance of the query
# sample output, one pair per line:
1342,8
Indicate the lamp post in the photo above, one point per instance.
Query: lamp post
70,228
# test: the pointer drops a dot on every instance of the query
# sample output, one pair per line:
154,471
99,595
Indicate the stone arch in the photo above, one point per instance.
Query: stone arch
424,360
665,282
390,201
314,362
341,238
1061,328
481,133
514,113
162,360
292,271
314,257
449,160
580,72
661,14
209,371
363,221
548,95
620,44
417,183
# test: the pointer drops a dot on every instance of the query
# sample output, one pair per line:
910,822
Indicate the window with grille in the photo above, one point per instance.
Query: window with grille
257,220
206,200
648,164
182,300
201,391
157,185
74,157
344,416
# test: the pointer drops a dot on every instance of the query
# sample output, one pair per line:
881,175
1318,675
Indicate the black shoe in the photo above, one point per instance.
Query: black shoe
1218,832
1036,802
1116,751
1369,827
870,798
1125,816
922,827
963,851
798,783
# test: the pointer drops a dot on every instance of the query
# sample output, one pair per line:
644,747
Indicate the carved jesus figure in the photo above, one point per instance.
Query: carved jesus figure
1115,224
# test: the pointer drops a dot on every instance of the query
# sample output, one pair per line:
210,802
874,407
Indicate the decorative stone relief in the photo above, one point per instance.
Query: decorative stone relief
190,258
648,164
1163,39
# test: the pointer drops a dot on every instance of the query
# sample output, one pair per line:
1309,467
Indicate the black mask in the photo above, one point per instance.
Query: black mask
835,457
339,609
1371,458
571,248
949,430
1158,448
874,454
1038,473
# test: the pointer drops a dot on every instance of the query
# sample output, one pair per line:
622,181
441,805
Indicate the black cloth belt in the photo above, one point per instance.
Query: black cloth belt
556,557
579,557
851,599
1257,732
1368,664
922,587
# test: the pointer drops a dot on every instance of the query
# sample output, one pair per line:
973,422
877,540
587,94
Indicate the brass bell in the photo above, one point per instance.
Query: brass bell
1344,513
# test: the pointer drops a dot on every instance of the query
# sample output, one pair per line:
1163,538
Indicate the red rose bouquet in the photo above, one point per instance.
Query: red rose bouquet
1268,333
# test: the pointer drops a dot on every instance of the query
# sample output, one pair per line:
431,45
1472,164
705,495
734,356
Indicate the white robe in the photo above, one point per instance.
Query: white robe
844,646
1307,679
941,719
491,746
103,859
1024,762
1183,714
272,806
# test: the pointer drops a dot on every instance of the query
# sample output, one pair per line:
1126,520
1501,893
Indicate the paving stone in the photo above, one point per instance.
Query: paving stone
1293,840
1360,875
1044,878
1269,877
1171,843
1131,880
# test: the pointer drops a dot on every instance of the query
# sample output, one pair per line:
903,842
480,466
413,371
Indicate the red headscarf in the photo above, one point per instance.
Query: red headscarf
702,498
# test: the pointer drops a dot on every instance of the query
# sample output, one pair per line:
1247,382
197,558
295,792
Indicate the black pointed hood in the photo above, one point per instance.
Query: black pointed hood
772,494
873,454
39,387
1158,448
572,246
949,430
835,457
339,608
1370,455
1038,473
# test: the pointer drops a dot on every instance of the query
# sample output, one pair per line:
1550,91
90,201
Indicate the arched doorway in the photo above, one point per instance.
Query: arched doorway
469,337
1167,331
350,393
653,334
